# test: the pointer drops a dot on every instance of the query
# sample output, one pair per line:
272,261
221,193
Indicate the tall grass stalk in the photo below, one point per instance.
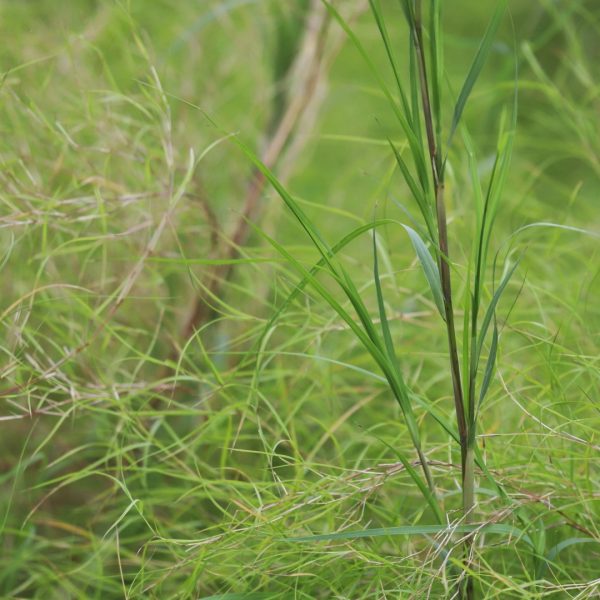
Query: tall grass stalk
428,83
420,109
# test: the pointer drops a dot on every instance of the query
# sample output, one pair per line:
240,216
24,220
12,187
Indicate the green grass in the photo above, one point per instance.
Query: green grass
142,463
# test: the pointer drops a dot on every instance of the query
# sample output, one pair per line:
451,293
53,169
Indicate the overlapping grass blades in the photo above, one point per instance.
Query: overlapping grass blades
419,112
377,347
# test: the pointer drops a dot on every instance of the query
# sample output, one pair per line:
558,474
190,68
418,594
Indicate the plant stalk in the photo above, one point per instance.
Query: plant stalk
446,281
435,153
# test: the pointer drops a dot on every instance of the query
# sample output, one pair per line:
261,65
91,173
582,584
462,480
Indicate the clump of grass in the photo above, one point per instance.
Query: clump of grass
422,112
114,486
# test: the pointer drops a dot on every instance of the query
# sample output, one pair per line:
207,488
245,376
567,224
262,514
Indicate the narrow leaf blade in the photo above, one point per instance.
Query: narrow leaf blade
490,365
478,62
410,530
489,315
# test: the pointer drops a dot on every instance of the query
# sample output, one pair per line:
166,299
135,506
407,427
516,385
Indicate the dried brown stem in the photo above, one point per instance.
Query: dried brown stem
305,77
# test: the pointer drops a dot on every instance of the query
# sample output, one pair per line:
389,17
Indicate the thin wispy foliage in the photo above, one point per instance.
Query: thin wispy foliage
298,299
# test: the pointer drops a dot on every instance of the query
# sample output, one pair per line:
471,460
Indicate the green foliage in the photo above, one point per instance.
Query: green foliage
303,441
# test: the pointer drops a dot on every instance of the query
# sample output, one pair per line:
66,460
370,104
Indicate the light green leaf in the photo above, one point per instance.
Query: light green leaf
429,268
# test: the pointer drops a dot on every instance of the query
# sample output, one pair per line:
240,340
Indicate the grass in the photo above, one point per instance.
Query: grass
145,458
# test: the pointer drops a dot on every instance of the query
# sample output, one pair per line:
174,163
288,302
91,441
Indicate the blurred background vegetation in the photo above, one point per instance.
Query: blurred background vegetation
150,448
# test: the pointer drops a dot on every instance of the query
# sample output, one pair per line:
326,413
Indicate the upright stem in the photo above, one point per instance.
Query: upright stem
466,443
446,281
468,590
450,327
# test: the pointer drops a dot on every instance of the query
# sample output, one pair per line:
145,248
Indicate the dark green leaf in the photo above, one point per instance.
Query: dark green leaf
490,364
489,315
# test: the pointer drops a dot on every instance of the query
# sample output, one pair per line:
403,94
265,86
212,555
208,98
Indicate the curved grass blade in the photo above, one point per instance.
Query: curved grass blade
372,347
429,268
556,550
385,327
552,554
489,367
335,249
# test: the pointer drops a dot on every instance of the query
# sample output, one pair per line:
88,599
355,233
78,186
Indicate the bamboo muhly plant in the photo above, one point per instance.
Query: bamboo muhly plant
419,107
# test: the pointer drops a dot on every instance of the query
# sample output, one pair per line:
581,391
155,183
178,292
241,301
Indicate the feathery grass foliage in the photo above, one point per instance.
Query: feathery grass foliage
229,374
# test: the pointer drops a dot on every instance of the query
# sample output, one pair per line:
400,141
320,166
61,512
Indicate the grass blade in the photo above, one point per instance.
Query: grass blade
335,249
417,192
427,493
376,10
489,314
410,530
556,550
385,328
480,58
429,268
489,367
437,63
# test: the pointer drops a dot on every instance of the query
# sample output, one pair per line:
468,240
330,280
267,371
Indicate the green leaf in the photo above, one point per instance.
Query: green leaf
489,367
429,268
475,180
489,315
409,530
385,328
379,19
553,553
415,90
417,192
436,50
556,550
347,239
480,59
328,297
